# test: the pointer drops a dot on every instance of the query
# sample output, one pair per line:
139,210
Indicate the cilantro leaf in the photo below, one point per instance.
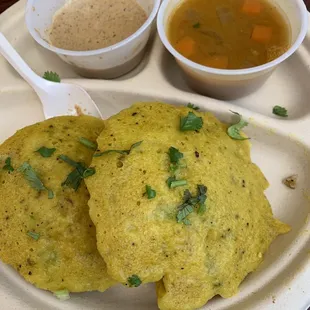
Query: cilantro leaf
46,152
51,76
186,222
134,281
191,122
123,152
234,130
50,194
89,172
33,235
280,111
175,155
135,145
183,211
190,202
73,180
151,193
8,165
197,25
34,181
89,144
177,183
62,295
192,106
80,172
170,180
69,161
202,197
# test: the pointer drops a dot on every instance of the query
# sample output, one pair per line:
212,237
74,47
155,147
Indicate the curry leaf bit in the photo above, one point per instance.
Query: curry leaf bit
280,111
123,152
190,203
192,106
89,144
234,130
197,25
151,193
46,152
62,295
80,172
51,76
8,165
191,122
33,235
134,281
34,181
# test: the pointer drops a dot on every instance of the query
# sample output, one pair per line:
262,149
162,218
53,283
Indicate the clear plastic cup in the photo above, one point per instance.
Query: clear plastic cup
232,84
107,63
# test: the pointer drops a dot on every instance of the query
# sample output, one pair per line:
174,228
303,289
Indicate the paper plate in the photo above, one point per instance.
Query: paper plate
281,147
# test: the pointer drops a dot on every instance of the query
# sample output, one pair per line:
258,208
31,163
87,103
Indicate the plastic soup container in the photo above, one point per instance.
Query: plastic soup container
232,84
109,62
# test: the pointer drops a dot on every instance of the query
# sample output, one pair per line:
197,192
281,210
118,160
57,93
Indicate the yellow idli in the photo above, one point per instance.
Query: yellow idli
46,232
197,240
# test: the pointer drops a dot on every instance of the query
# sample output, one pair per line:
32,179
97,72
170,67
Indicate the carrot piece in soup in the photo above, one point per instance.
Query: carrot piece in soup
186,46
218,61
262,34
252,7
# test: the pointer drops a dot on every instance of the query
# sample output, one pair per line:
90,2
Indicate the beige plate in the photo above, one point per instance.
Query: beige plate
280,148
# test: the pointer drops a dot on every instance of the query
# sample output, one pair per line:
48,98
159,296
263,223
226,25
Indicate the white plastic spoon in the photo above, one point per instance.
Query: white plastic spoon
57,98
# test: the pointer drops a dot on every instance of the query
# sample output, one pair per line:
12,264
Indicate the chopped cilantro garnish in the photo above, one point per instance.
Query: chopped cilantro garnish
197,25
80,172
190,202
280,111
123,152
134,281
46,152
51,76
175,155
177,183
62,295
151,193
234,130
34,181
201,199
8,165
33,235
192,106
89,144
191,122
170,180
183,211
186,222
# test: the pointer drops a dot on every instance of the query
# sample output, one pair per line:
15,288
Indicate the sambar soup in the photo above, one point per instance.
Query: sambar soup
229,34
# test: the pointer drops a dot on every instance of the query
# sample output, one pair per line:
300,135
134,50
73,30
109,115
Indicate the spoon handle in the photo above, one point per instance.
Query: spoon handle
20,65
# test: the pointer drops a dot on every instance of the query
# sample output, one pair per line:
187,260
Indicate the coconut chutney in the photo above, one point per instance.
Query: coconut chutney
83,25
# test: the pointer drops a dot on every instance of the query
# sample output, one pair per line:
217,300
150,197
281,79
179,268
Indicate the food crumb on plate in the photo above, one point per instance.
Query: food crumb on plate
291,181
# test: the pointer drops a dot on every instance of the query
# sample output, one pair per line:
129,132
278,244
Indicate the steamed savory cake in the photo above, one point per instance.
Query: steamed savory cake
46,232
185,209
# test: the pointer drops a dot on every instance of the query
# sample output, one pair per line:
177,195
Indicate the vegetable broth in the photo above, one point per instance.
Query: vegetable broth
229,34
